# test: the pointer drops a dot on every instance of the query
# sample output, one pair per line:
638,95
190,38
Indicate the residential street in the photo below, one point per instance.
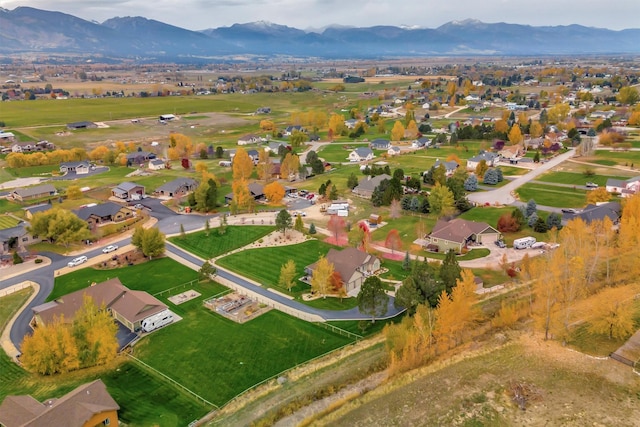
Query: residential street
505,195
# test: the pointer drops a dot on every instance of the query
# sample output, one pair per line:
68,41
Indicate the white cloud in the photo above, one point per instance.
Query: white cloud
202,14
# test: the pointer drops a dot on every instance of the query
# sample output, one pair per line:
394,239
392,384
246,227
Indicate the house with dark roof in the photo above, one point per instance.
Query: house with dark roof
290,129
380,144
626,188
30,211
256,190
367,184
597,212
104,213
177,187
249,139
458,234
88,405
37,192
80,168
491,159
81,125
128,191
139,157
127,306
353,266
361,154
157,164
421,142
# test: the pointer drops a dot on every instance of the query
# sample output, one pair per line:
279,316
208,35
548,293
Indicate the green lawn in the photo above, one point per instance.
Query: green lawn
7,206
337,153
619,157
7,222
549,195
487,214
576,178
234,237
153,276
407,226
218,358
263,265
29,171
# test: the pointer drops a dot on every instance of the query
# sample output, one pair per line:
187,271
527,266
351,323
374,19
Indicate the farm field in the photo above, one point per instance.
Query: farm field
549,195
621,158
214,245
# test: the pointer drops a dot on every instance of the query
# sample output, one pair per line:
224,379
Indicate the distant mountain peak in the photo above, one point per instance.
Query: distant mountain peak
467,22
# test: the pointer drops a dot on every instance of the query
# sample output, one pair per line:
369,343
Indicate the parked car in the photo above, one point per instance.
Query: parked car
569,210
77,261
138,206
110,248
591,185
500,244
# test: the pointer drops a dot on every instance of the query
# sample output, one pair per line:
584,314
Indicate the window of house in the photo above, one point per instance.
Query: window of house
106,422
25,239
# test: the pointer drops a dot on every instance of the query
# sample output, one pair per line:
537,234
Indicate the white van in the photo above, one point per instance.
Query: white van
77,261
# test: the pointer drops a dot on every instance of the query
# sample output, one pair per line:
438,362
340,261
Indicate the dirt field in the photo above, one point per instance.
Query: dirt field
563,388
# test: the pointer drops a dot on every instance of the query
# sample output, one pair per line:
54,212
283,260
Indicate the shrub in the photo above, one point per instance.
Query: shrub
38,261
16,258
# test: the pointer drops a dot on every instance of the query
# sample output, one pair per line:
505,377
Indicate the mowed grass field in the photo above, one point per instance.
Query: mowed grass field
577,178
551,195
215,244
7,222
263,265
144,398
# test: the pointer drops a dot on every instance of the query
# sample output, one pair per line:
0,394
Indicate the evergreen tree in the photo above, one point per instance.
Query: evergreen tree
536,157
376,197
499,175
415,204
333,194
490,177
352,181
531,208
554,220
312,229
540,226
406,263
531,221
450,271
471,183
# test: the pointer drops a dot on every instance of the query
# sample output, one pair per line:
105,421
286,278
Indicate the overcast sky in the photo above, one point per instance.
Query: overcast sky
306,14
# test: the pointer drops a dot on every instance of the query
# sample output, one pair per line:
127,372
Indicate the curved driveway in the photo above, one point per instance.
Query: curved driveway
168,224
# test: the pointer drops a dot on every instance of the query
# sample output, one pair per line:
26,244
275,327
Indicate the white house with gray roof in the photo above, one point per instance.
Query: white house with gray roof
361,154
626,188
366,185
490,158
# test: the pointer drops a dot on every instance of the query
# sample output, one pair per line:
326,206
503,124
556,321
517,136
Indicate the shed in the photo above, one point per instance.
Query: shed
375,219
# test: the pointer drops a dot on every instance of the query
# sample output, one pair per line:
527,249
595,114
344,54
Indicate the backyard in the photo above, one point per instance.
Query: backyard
217,244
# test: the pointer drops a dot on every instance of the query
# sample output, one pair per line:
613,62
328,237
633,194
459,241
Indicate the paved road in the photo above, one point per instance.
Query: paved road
504,196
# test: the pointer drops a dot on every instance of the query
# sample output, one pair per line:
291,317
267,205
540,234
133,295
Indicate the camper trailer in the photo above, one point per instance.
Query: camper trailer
157,321
524,242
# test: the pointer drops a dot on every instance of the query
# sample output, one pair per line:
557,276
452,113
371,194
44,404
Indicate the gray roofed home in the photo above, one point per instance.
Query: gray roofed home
81,167
380,144
490,159
449,167
626,188
128,191
361,154
177,187
89,404
36,192
366,185
611,210
81,125
32,210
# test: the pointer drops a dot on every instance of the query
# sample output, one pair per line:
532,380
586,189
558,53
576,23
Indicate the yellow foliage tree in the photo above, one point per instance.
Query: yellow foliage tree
95,334
51,349
336,124
289,166
265,165
287,275
73,192
515,135
612,311
536,130
242,198
201,167
242,165
501,126
321,277
98,153
397,133
267,125
558,113
274,192
412,130
598,195
634,119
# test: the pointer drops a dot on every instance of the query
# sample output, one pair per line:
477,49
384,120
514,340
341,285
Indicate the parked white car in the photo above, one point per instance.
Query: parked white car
77,261
110,248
